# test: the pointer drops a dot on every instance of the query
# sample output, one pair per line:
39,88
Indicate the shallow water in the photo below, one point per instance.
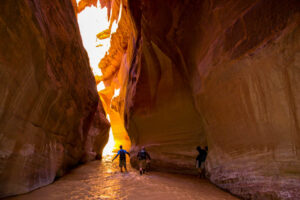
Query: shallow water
103,180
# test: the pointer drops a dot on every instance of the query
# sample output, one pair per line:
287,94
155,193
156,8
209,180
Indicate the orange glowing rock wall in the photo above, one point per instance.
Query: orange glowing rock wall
115,75
51,118
218,73
112,77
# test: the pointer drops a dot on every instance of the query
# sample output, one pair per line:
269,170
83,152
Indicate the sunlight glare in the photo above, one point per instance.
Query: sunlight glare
117,93
116,22
96,35
100,86
108,149
93,20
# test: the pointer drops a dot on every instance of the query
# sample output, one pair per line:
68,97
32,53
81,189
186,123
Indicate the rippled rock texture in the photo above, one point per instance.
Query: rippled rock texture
50,115
218,73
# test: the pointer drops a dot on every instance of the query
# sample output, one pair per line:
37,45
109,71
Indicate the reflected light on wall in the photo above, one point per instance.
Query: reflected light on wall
108,149
116,93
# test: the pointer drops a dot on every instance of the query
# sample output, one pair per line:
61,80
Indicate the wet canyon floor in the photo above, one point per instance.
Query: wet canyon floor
103,180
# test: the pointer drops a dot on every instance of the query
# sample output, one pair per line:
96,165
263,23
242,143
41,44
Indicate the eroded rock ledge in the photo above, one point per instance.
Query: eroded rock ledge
50,115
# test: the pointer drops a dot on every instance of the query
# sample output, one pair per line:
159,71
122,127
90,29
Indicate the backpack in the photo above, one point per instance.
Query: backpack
122,155
142,155
203,156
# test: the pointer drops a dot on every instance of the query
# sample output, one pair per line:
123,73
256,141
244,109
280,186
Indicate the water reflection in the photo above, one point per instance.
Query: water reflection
103,180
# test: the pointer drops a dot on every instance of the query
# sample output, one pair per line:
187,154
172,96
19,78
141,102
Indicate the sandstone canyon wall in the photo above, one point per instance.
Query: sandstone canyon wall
50,115
246,87
218,73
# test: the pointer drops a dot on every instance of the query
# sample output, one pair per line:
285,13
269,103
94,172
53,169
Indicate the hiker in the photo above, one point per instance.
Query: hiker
143,156
200,161
122,162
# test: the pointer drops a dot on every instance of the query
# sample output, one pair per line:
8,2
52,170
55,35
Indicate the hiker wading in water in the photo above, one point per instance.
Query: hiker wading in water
200,161
122,162
143,156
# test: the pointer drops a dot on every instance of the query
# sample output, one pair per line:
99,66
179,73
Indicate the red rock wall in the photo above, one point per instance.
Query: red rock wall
97,135
50,115
222,73
246,87
218,73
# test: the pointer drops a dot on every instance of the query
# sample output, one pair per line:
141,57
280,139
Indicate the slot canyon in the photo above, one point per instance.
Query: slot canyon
79,78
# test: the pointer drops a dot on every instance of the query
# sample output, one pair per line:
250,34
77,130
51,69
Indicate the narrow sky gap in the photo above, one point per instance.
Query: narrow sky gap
93,20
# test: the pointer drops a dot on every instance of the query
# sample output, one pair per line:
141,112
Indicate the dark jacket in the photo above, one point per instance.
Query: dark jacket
143,155
201,156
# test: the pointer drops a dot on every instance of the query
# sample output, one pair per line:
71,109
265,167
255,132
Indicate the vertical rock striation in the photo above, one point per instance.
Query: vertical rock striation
50,115
222,73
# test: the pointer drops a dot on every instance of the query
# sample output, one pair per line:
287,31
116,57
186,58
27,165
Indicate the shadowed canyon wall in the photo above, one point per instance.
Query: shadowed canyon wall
246,87
51,118
218,73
